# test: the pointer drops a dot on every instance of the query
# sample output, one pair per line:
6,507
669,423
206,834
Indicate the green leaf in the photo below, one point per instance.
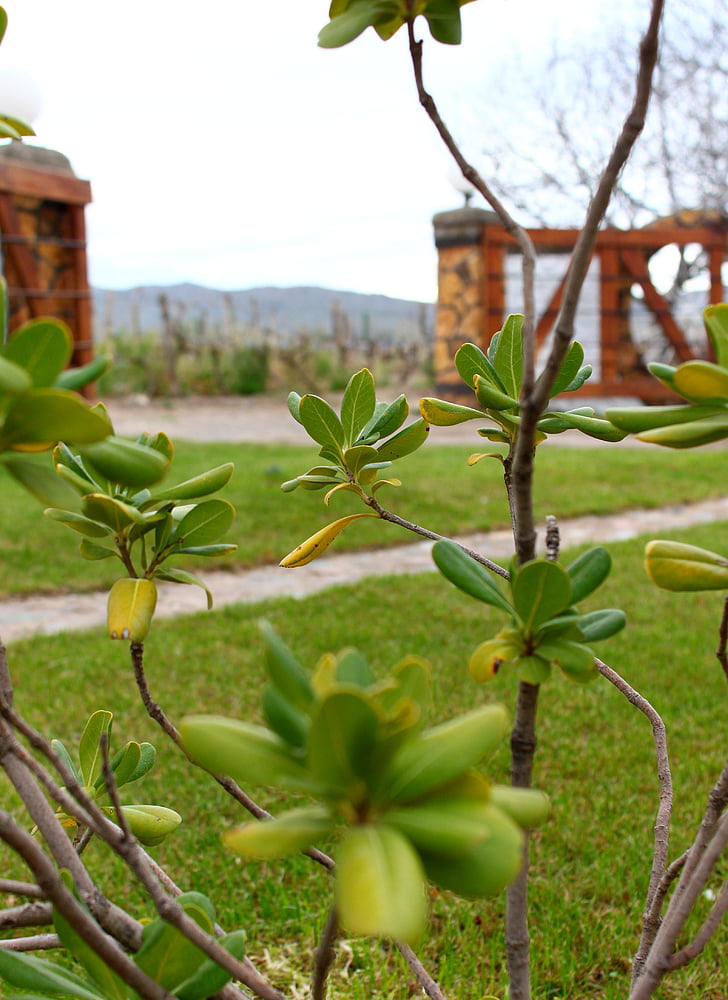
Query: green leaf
665,373
285,670
210,977
166,955
487,868
437,756
84,525
151,824
111,985
40,417
294,403
89,750
526,806
380,884
13,378
28,972
199,486
442,826
690,435
357,405
77,378
579,379
471,361
443,20
174,575
442,413
39,479
634,419
205,523
541,590
322,424
386,419
588,571
352,668
288,834
146,762
348,25
460,569
223,549
342,740
126,462
491,398
602,624
65,756
702,382
508,356
284,718
409,439
43,348
574,659
532,669
357,457
249,754
595,427
109,511
124,763
570,368
678,566
715,318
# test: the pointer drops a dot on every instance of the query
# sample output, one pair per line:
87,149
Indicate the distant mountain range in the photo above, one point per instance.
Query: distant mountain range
283,312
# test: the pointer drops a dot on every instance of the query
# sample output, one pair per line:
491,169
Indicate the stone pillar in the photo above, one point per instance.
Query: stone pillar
462,291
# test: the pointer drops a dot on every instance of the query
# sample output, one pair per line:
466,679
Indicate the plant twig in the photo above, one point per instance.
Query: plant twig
36,942
158,714
721,652
325,954
388,515
658,884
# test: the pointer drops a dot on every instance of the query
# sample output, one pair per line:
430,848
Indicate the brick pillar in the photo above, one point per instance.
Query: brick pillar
461,297
43,241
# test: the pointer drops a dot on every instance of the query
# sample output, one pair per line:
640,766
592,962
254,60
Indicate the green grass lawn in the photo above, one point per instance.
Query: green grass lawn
595,759
439,491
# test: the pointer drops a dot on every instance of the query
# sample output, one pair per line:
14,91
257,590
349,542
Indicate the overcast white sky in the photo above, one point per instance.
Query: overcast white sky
224,147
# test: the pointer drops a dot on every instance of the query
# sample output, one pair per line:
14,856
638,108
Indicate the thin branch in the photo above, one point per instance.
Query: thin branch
723,639
388,515
533,403
157,713
36,942
523,240
708,929
428,984
651,918
325,954
14,888
68,906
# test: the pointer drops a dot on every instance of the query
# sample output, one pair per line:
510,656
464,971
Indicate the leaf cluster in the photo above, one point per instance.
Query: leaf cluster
704,386
365,437
150,824
349,18
496,378
124,512
546,630
165,955
38,402
409,799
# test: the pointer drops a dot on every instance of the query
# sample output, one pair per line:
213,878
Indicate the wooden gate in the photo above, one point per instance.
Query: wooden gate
475,257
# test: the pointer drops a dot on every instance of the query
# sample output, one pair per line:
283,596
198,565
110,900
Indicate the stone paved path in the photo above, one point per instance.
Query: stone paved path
39,614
